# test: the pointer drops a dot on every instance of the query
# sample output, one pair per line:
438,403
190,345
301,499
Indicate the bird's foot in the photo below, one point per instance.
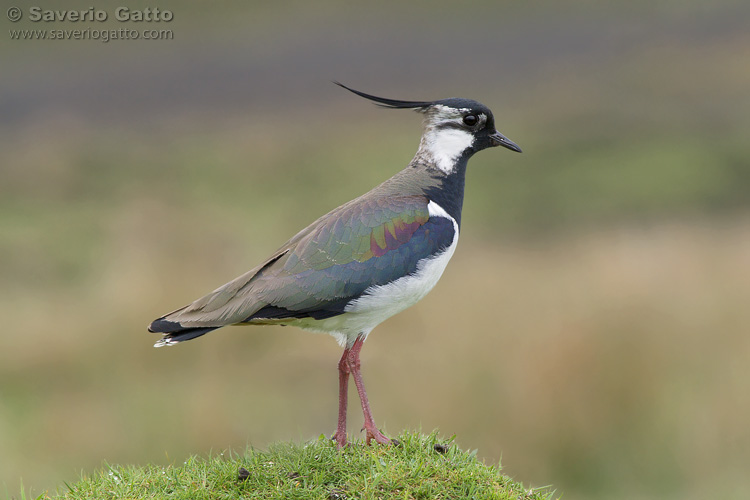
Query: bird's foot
340,438
374,433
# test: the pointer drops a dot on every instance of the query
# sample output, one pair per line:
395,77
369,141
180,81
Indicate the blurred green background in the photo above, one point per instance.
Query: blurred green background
591,331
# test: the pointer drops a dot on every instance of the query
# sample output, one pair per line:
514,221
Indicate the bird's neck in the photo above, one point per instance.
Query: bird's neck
449,191
443,186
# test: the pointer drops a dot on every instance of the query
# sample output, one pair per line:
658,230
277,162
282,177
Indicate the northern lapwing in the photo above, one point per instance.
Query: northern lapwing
364,261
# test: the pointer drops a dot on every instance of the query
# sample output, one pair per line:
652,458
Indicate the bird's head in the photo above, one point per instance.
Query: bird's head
453,127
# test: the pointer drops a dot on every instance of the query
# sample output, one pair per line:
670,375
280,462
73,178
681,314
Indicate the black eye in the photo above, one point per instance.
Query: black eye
471,120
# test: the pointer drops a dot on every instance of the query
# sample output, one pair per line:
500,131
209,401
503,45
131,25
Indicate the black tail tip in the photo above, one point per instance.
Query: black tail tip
174,333
162,325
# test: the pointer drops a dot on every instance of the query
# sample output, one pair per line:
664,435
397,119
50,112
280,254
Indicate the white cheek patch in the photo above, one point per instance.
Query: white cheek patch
445,145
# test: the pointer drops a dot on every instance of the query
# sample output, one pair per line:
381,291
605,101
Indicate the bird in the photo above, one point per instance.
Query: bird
362,262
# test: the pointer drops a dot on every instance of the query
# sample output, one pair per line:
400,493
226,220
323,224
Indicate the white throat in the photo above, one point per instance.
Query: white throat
445,145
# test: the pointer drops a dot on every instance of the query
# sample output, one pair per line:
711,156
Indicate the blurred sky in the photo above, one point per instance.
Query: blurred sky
591,331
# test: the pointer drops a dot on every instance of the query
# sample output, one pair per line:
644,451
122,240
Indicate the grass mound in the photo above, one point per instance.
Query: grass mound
418,467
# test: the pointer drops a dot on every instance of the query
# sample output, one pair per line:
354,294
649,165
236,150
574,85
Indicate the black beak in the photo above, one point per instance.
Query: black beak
498,139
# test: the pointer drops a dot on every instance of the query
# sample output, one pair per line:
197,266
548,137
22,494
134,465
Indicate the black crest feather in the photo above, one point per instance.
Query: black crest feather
389,103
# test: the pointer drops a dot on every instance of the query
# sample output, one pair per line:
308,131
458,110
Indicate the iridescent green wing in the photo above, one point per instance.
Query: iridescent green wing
371,242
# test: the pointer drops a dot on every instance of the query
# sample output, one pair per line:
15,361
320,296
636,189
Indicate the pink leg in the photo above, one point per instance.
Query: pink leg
353,362
340,436
349,363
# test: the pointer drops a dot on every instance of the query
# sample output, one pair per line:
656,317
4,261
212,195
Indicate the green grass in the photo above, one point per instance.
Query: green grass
419,466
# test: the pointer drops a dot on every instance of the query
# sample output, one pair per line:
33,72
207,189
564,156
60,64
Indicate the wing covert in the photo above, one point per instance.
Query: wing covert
371,243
